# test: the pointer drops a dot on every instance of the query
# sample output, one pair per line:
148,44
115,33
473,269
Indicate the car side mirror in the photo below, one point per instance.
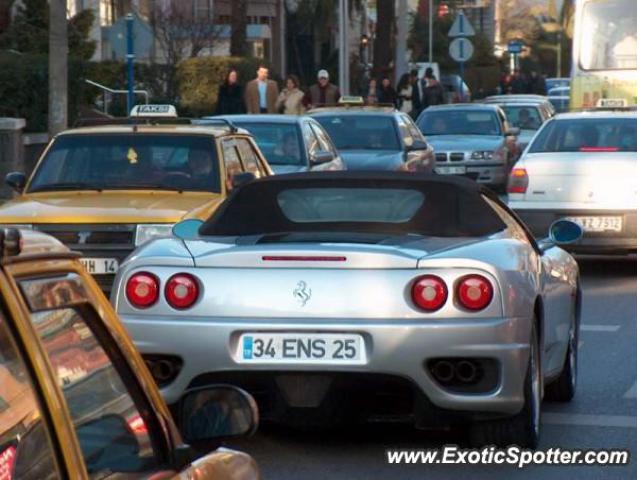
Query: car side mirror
418,145
562,232
217,412
242,178
321,157
513,132
16,180
187,229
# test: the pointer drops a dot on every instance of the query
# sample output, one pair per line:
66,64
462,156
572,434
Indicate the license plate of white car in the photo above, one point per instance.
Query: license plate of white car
306,348
97,266
451,170
599,224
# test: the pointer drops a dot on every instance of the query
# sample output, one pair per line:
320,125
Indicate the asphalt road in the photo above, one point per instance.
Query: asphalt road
603,414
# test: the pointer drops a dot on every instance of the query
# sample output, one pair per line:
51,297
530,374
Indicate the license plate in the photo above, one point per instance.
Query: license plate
302,348
451,170
599,224
97,266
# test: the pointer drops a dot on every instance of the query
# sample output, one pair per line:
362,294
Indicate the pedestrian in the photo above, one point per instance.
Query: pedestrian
537,84
371,98
434,93
322,92
290,101
386,93
261,94
405,94
415,94
230,98
518,83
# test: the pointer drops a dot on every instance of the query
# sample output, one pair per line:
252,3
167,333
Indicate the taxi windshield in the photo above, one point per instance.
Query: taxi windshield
129,161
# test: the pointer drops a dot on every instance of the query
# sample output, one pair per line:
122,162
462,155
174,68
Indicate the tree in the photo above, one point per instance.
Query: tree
29,30
385,33
239,23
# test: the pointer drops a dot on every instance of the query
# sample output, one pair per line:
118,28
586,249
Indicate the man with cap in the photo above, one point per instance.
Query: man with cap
323,92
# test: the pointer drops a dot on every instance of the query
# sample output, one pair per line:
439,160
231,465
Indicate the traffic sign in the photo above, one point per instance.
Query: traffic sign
461,49
461,27
515,46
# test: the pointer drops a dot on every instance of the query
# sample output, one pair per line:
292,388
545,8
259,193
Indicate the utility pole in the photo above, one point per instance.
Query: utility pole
401,40
130,58
58,67
431,31
343,50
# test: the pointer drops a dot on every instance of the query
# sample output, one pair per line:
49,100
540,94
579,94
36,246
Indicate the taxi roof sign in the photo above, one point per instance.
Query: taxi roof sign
351,100
160,111
612,103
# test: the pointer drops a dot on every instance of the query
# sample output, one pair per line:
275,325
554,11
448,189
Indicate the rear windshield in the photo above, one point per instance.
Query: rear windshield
459,122
587,135
279,142
363,206
364,132
524,118
316,205
129,161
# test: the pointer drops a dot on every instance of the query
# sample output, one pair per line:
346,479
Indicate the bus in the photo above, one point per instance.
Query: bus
604,71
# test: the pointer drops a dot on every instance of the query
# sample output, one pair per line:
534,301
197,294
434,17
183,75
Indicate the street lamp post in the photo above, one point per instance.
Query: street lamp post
130,57
343,53
431,31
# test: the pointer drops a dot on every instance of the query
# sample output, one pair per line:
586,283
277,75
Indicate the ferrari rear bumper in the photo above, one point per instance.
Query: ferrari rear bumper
399,348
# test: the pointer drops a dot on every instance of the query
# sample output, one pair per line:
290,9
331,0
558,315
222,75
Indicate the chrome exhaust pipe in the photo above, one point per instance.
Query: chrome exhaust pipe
466,371
444,371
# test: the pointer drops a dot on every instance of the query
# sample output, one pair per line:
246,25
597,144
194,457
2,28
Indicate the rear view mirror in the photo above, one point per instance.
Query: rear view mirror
322,156
217,412
242,178
187,229
16,180
565,232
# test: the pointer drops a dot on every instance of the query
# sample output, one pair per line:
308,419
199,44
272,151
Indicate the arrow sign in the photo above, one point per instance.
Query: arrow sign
461,27
461,49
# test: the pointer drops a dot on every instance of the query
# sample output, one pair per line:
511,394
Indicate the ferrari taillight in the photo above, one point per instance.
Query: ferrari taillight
474,292
182,291
518,181
429,293
142,289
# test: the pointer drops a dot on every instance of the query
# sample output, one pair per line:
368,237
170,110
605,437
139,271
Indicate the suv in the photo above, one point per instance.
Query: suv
104,190
77,399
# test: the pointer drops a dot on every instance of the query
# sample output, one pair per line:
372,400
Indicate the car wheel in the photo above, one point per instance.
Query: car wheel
522,429
563,388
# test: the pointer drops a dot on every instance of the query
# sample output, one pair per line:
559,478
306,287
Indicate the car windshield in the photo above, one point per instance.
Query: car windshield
361,132
524,118
608,37
129,161
459,122
587,135
279,142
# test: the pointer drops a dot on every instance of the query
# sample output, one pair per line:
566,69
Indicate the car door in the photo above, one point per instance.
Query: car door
231,161
326,145
311,142
250,158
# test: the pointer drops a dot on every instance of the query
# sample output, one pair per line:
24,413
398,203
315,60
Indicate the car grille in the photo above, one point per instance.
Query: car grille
441,157
456,156
95,241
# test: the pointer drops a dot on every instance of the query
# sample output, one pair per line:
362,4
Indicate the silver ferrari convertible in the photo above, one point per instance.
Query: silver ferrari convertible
381,296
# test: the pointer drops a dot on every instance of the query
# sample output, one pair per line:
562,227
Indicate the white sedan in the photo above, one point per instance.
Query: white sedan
582,166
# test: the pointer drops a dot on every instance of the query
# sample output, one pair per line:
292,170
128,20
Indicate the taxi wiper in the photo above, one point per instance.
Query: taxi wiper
66,186
146,186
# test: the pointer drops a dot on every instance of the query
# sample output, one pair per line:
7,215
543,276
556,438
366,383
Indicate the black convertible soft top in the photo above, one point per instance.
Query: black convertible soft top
452,206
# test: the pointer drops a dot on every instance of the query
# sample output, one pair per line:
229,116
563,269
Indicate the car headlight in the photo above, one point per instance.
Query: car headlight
148,232
482,155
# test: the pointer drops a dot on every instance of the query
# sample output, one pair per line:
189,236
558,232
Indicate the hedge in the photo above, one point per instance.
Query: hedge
192,86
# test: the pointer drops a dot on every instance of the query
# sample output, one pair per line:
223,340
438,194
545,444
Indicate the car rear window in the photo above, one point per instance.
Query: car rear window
129,161
361,132
587,135
459,122
316,205
523,117
279,142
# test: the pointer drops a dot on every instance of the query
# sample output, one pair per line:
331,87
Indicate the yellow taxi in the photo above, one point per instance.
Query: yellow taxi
104,190
76,399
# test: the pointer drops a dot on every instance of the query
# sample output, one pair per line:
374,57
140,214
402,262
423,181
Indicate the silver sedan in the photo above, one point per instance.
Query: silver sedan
361,295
